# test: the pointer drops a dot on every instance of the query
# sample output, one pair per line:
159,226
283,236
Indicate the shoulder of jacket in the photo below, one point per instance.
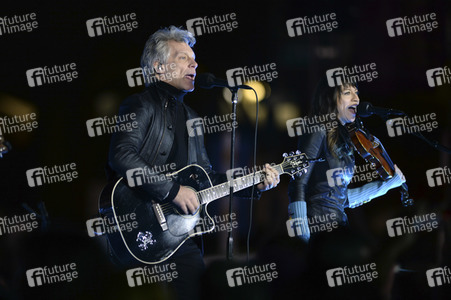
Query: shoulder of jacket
320,134
148,97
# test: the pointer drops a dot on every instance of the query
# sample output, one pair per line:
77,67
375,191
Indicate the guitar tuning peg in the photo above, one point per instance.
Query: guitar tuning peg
291,153
285,155
298,152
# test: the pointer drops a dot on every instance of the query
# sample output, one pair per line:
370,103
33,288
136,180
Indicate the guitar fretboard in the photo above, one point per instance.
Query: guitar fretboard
241,183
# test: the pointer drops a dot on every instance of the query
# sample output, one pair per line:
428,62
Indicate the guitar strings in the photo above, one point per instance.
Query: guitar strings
168,207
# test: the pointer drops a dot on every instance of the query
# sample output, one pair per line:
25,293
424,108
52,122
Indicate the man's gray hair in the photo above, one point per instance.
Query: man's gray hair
157,47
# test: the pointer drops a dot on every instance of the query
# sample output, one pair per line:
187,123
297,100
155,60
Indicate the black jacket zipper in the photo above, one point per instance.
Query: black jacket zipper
164,130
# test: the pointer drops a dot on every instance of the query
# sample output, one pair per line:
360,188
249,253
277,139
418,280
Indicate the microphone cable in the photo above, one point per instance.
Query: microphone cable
253,178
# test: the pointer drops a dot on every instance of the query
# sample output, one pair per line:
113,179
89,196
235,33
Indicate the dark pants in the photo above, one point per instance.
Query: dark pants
190,266
323,210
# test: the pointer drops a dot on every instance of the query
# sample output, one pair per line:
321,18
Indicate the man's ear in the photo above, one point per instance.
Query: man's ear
157,67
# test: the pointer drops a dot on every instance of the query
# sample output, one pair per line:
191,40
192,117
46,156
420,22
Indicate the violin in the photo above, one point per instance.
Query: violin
371,149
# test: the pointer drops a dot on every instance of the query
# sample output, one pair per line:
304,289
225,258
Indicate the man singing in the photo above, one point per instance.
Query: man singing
162,138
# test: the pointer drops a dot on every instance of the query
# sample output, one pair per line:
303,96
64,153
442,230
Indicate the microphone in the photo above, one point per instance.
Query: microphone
208,81
366,109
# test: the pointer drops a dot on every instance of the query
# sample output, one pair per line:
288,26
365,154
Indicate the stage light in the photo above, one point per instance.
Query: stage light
284,111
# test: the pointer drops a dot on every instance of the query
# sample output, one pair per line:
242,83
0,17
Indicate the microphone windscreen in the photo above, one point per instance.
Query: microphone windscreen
205,80
365,109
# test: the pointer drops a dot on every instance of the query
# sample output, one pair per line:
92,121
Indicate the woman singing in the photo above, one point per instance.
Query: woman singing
312,196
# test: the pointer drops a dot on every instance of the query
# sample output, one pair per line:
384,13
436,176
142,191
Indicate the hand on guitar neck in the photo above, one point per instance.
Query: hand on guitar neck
272,179
187,201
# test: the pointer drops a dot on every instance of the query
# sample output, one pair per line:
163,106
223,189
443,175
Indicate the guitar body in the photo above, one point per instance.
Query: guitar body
158,229
150,242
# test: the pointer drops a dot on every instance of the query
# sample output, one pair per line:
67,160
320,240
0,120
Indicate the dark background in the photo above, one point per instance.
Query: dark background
261,38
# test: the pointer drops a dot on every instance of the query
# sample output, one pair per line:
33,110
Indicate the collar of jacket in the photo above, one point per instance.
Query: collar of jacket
169,90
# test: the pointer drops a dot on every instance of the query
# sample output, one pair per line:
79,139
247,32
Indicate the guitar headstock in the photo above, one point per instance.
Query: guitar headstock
294,162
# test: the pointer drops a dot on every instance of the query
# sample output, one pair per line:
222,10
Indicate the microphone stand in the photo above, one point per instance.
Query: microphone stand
434,144
208,81
234,91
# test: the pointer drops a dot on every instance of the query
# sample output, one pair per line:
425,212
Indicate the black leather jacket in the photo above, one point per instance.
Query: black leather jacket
150,144
313,187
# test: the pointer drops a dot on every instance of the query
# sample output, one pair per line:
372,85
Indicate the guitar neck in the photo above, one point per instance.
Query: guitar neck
241,183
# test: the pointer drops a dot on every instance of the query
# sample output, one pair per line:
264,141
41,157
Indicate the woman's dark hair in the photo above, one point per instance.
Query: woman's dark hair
325,103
